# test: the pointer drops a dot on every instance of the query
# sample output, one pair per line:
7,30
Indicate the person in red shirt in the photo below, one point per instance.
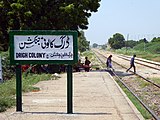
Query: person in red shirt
25,67
87,64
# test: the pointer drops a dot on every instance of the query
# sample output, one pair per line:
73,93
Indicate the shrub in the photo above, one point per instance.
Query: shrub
7,69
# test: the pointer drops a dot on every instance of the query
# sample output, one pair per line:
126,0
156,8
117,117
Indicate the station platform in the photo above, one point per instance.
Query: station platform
96,96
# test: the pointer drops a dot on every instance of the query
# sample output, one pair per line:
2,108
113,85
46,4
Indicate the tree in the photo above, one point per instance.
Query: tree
155,39
117,41
95,45
130,43
142,41
104,46
83,44
44,15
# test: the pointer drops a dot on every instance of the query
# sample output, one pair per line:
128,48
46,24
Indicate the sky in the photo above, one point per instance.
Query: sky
134,19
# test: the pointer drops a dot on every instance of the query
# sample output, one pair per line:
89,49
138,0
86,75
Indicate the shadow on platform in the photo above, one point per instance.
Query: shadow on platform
119,73
64,113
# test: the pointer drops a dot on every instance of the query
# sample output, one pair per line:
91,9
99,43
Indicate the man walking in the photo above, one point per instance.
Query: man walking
132,64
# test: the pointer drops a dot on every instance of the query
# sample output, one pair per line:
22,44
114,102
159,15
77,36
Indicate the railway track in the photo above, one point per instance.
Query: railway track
150,64
143,64
154,113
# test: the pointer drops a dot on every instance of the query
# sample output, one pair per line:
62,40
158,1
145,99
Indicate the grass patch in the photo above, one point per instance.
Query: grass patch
142,83
91,56
6,102
32,79
141,54
88,54
156,80
138,105
7,92
8,88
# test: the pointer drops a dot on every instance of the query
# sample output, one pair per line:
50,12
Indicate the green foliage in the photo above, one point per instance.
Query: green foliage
140,53
139,47
104,46
43,15
130,43
117,41
156,80
142,41
88,54
68,8
32,79
127,51
6,102
155,39
28,14
8,88
83,44
152,47
7,69
7,92
95,45
16,6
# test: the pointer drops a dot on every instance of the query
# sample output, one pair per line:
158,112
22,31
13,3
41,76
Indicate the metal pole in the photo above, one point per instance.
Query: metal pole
18,88
69,90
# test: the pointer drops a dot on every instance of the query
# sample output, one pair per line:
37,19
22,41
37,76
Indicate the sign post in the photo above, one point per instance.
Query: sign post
43,47
69,90
18,88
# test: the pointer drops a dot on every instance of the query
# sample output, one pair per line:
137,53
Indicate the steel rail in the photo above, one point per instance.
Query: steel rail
154,63
142,63
150,81
146,107
137,59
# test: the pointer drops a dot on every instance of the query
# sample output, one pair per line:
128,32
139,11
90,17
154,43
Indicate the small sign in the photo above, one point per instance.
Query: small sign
1,78
43,47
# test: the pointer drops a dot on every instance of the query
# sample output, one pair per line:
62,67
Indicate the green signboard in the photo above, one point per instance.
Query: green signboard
43,47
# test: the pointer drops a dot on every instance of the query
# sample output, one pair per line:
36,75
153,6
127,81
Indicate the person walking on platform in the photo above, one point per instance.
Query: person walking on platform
132,64
109,63
87,64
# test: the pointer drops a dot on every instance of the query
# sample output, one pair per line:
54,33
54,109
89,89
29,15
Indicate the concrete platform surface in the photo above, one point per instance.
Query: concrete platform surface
96,96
